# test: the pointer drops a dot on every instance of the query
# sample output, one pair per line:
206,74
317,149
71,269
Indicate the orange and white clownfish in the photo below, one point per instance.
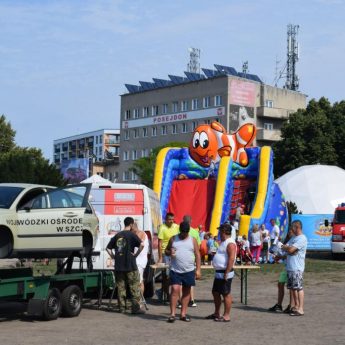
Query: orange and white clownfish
211,142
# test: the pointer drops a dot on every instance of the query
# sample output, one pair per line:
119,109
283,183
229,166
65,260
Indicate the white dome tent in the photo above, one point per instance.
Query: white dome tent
315,189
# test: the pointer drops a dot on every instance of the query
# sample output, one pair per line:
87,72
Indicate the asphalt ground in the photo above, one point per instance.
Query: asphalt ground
323,322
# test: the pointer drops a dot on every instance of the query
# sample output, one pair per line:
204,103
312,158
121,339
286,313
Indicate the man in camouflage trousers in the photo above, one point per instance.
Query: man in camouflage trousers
126,270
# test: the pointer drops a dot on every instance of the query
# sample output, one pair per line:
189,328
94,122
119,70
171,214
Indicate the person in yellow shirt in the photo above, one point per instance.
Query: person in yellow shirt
166,231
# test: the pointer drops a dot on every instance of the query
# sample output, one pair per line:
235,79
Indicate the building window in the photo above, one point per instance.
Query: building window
144,132
268,103
127,114
135,133
195,104
100,139
96,139
175,107
134,155
207,122
134,176
136,113
126,135
194,125
165,108
184,127
154,131
164,130
155,110
125,155
174,129
184,105
206,102
126,175
217,100
145,111
268,126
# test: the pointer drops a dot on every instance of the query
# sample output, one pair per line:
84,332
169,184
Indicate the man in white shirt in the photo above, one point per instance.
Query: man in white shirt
274,232
295,262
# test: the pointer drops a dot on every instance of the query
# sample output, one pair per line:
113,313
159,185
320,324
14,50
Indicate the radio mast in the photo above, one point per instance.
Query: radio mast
194,64
292,81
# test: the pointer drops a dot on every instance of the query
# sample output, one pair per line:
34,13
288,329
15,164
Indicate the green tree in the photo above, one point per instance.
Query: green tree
22,164
144,167
337,118
27,165
292,209
307,138
7,135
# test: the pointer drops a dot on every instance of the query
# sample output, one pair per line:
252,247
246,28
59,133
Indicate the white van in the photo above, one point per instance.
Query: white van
113,202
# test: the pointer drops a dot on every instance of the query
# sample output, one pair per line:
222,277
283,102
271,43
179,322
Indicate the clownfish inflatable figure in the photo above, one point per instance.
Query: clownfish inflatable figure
211,142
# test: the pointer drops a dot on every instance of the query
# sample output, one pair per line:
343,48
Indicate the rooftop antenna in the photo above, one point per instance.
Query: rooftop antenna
245,68
194,64
292,81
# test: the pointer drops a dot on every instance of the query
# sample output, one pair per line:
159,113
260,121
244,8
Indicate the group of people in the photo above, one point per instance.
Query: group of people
256,249
182,252
179,247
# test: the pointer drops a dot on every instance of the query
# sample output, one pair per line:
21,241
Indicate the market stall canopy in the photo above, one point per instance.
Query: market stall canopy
315,189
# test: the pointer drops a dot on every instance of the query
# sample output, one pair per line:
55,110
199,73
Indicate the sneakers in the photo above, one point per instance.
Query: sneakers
276,308
288,309
192,304
138,311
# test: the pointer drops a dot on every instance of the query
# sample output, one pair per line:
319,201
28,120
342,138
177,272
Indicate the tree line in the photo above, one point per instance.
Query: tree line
24,164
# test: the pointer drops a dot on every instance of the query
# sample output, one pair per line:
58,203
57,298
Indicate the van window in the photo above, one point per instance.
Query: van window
339,217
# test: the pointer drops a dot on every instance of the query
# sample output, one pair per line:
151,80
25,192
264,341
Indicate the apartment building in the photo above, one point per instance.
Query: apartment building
101,147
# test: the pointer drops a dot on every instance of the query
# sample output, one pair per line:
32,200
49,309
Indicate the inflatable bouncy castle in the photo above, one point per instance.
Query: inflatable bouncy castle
217,173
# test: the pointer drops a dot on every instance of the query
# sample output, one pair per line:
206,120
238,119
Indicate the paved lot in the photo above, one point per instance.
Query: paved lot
323,322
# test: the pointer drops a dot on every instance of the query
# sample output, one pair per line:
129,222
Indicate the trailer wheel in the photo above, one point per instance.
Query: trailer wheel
52,305
71,301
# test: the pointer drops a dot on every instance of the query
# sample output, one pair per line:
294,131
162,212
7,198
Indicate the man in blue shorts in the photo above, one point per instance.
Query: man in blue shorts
295,262
184,252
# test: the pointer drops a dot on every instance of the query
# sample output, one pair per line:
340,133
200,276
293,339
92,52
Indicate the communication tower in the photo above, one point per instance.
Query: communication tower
292,81
245,68
194,64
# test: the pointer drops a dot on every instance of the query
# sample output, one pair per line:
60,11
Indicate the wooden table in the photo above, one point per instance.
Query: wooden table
243,277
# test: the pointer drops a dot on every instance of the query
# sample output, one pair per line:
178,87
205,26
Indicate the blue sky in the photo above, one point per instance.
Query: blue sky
64,63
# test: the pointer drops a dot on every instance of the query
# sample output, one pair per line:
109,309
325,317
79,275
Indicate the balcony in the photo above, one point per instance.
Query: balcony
112,142
276,113
268,135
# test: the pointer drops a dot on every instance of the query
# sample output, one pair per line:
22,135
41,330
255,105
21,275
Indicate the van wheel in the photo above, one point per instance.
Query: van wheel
6,243
52,305
72,298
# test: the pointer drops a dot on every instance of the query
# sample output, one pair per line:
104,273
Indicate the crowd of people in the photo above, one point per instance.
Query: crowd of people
184,249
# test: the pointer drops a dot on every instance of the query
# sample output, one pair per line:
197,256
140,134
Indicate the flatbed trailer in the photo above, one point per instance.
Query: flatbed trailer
48,297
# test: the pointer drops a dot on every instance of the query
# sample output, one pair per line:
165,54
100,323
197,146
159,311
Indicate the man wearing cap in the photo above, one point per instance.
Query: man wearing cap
184,253
223,263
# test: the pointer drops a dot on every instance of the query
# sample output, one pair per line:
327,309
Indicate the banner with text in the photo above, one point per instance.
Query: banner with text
318,234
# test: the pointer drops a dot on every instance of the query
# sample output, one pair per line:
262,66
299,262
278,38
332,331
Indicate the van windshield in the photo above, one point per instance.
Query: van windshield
339,217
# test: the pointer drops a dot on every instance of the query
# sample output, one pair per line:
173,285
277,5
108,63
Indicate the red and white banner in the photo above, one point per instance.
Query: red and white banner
242,93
